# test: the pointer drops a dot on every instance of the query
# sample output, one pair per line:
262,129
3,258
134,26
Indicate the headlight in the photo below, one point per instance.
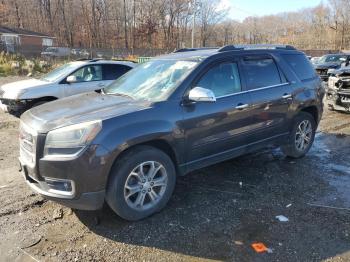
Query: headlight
70,140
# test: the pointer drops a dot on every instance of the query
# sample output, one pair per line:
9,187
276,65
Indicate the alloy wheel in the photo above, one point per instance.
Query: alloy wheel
303,135
145,185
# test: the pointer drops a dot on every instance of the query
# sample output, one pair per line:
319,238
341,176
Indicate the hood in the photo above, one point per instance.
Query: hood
326,65
343,70
79,108
12,90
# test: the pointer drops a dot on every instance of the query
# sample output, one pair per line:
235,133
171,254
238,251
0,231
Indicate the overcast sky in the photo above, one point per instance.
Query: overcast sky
240,9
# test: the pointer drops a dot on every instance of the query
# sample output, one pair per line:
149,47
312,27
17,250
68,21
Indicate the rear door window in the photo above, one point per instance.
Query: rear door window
260,72
112,72
300,65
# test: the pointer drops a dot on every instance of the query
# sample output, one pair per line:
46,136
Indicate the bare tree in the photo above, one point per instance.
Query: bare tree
167,24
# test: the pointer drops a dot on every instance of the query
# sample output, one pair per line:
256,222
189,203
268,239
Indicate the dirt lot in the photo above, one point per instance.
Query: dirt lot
215,213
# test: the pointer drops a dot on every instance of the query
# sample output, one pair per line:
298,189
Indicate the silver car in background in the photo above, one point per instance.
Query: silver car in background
67,80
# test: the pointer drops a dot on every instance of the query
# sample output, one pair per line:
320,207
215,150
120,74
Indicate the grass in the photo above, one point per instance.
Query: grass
14,64
17,65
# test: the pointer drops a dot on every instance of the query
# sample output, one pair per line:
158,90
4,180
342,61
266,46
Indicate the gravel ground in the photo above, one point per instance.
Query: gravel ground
215,213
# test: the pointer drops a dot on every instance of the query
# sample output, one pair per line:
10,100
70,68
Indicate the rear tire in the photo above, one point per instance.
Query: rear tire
301,137
141,183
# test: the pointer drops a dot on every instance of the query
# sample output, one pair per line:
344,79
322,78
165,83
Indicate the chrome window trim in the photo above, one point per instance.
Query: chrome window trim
255,89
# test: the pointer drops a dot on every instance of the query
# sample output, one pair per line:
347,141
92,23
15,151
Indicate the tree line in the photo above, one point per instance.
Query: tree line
168,24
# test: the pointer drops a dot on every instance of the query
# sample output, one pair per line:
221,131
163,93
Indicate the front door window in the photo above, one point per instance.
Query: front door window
223,79
88,73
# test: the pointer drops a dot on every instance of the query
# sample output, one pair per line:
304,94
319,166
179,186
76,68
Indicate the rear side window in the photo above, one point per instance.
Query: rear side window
300,65
112,72
260,72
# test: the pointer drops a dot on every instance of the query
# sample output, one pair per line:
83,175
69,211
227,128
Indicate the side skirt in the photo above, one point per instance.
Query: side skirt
231,153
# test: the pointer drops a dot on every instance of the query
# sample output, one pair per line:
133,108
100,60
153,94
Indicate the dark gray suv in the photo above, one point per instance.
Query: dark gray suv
169,116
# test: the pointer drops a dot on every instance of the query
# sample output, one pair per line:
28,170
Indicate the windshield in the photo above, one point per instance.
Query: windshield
59,72
152,81
331,58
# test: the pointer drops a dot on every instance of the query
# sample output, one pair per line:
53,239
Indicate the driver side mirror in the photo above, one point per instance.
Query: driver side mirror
71,79
199,94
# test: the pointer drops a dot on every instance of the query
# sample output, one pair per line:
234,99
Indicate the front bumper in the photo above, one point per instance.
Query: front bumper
338,98
88,173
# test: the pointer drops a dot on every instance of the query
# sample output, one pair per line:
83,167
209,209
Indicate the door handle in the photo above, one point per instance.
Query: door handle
287,96
101,85
241,106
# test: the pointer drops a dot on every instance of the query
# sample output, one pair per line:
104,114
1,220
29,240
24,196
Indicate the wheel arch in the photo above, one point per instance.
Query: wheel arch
312,110
160,144
44,98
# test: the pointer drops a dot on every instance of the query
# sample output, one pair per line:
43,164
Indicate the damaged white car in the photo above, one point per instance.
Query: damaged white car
69,79
338,89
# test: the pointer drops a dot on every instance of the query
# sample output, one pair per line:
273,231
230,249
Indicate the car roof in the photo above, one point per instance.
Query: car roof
189,55
202,53
105,61
337,54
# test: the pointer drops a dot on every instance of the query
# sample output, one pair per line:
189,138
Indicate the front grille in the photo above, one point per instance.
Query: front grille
27,144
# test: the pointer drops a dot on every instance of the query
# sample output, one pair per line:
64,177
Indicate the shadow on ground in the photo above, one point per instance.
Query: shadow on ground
218,212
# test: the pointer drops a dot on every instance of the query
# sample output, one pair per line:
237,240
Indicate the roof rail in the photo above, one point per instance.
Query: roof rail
193,49
89,59
96,59
259,46
123,60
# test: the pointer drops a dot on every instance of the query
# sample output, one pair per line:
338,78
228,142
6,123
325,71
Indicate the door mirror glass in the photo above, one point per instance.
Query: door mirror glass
71,79
199,94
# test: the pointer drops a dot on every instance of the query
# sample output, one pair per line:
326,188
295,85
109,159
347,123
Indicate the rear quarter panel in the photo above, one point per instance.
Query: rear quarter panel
306,93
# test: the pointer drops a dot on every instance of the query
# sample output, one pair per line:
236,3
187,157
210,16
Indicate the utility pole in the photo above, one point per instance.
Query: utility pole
125,28
194,21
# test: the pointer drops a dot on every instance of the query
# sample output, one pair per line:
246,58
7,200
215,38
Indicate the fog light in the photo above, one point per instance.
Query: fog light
61,186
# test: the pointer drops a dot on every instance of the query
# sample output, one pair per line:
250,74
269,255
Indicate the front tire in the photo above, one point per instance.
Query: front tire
141,183
301,137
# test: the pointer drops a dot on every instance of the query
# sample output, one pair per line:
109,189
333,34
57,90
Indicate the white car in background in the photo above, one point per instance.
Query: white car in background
67,80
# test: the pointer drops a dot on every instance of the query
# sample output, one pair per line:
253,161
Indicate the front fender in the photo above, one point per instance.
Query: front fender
35,93
119,139
159,123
